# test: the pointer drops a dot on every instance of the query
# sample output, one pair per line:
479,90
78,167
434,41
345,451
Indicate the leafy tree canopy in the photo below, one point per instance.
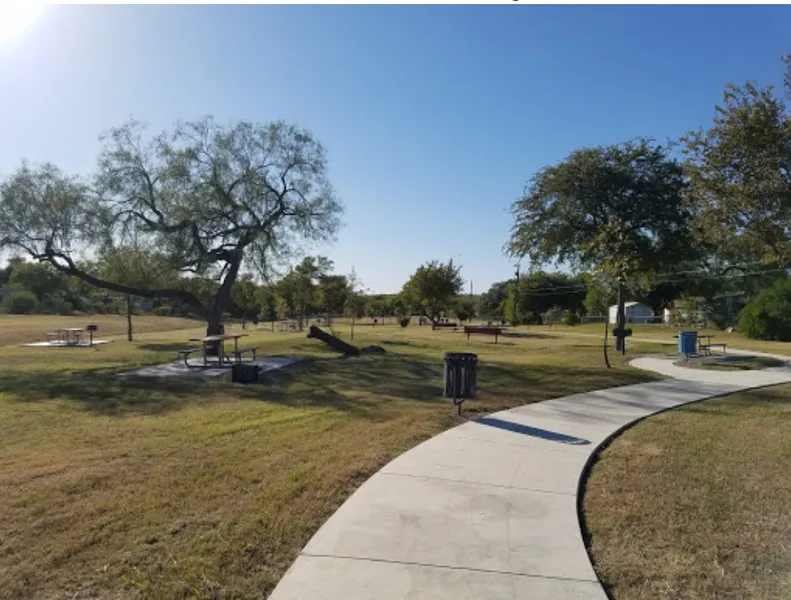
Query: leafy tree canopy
433,288
614,210
739,170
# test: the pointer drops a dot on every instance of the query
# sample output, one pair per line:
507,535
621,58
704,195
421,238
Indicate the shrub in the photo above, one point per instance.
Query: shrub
768,316
56,304
164,310
404,321
20,302
570,318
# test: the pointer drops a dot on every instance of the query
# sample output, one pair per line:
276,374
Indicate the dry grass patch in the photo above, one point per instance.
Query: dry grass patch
695,503
24,329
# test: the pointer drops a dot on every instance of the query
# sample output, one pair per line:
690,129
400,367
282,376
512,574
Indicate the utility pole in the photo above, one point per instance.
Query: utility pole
516,295
620,320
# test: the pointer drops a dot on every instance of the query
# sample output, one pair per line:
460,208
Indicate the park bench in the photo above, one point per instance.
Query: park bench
443,326
238,352
495,331
187,351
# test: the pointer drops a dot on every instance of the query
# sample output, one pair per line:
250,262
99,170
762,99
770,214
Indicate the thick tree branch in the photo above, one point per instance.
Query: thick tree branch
68,267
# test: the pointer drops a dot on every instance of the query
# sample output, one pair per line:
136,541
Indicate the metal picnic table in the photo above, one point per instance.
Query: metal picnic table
218,341
70,336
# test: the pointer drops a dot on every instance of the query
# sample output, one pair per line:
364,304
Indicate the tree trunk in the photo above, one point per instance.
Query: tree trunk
129,317
214,324
606,329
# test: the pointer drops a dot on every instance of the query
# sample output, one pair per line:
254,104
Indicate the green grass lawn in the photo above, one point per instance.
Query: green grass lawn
114,488
695,503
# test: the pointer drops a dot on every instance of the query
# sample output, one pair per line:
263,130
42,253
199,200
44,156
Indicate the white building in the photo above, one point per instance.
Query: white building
635,313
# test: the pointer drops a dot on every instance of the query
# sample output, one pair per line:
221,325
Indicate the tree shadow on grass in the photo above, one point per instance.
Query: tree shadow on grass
173,347
525,335
368,386
104,392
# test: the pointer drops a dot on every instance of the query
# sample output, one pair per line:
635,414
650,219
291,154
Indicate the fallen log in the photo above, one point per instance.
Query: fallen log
333,342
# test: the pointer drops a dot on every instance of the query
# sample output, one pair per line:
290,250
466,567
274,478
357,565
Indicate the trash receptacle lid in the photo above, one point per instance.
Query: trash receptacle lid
461,356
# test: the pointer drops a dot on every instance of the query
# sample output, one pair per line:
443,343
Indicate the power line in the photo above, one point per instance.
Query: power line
567,290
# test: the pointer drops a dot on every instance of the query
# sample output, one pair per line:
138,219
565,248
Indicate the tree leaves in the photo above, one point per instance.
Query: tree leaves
212,200
432,289
614,209
740,177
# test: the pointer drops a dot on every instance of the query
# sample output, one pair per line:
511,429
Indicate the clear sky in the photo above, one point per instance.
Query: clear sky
434,117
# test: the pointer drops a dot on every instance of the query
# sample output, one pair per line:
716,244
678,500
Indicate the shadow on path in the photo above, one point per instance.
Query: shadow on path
544,434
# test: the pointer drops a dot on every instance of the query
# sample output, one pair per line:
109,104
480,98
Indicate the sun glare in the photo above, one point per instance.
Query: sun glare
16,17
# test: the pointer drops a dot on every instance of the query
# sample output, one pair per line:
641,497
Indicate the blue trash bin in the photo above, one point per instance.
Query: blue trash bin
687,342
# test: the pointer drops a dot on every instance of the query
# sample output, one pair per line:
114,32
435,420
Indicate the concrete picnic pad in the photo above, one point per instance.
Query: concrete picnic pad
488,509
177,368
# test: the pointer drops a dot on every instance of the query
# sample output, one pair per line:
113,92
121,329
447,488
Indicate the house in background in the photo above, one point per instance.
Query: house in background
635,313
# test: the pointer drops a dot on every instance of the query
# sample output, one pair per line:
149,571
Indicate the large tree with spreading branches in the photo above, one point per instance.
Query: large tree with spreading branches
207,200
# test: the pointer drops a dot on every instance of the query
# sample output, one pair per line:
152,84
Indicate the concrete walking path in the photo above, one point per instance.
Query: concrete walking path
488,509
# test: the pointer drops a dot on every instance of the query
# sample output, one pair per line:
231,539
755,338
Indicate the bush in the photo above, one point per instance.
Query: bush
404,321
20,302
570,318
56,304
768,317
164,310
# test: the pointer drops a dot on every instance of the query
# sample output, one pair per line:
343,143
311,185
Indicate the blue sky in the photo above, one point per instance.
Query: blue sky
434,117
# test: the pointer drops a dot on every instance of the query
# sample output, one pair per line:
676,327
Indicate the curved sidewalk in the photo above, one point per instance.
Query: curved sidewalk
488,509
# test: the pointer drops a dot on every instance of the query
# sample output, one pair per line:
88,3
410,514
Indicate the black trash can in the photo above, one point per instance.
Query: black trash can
244,373
461,375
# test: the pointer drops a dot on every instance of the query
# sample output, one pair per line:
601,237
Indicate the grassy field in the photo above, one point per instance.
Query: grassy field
16,329
114,488
695,503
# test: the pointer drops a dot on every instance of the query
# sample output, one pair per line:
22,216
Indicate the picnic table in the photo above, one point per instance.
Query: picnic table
70,336
704,347
216,343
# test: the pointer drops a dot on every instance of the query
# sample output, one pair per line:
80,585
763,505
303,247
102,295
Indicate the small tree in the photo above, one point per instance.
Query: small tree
510,308
333,291
465,310
433,288
355,301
